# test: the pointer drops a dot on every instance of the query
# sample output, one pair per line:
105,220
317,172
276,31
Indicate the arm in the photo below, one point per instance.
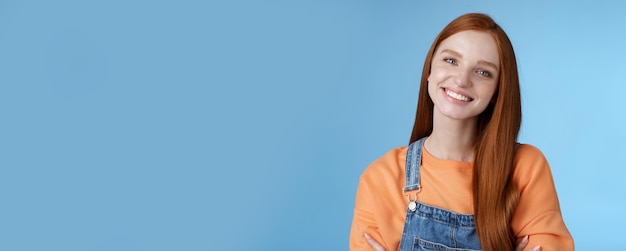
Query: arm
538,214
363,221
380,203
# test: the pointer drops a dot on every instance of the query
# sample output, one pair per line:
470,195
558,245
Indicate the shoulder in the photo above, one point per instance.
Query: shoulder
528,154
389,168
531,166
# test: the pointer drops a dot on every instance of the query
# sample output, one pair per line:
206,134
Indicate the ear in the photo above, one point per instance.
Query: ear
494,98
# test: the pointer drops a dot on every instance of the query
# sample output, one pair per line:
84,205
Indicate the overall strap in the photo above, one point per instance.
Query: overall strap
412,166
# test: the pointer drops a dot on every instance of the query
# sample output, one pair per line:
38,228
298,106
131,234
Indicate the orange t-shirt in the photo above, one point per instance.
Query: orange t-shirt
381,203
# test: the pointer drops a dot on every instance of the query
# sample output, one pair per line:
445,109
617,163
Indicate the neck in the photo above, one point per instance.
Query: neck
452,139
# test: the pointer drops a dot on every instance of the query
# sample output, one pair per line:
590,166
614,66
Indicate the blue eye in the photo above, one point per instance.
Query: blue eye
484,73
450,60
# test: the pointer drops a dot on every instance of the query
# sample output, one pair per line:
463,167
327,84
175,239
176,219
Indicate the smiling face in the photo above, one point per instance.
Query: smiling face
464,75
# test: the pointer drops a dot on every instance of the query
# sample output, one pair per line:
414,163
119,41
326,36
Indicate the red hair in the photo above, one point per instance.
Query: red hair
495,194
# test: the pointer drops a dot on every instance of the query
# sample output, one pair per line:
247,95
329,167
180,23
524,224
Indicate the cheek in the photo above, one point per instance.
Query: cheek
436,75
489,90
440,75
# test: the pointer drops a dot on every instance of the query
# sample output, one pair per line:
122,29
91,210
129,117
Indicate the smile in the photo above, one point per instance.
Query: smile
458,96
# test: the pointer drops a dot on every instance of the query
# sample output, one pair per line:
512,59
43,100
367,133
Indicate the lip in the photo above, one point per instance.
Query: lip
455,101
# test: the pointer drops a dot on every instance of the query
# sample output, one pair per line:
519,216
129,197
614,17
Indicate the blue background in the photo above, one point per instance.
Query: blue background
244,125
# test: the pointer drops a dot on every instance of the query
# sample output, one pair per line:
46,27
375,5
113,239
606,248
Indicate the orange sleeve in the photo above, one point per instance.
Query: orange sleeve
538,213
380,203
364,221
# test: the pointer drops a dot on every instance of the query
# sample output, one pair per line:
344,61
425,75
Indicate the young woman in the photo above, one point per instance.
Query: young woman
463,183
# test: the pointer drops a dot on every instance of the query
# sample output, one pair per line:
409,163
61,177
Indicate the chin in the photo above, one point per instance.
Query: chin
456,115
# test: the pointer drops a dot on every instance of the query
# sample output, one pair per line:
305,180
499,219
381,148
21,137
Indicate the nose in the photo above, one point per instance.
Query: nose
463,78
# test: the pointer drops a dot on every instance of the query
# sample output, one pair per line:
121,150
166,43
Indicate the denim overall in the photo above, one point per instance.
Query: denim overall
431,228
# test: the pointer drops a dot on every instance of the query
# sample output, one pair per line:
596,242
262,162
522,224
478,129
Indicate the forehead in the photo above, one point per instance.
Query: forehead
472,45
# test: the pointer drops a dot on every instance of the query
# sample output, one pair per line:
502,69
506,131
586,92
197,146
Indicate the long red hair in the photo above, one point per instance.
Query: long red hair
495,194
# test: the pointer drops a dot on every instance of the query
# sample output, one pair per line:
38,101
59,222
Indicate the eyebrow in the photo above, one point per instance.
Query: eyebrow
456,54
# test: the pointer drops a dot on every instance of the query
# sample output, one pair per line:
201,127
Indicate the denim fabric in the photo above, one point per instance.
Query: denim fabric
430,228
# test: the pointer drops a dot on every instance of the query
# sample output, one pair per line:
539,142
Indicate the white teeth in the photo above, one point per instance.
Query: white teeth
457,96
